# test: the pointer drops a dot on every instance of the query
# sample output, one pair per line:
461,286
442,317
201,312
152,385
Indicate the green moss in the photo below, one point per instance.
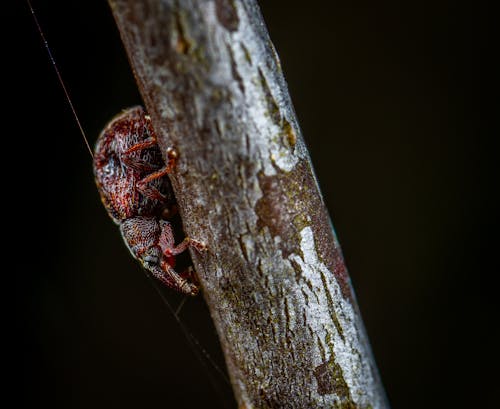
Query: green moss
300,221
331,381
273,110
248,57
184,44
289,136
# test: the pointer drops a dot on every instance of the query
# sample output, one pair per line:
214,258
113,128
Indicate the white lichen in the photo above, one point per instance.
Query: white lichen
349,350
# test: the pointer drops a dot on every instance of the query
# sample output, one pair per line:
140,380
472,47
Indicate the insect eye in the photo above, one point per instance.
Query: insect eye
151,259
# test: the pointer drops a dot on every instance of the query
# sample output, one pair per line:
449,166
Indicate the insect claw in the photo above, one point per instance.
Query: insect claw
189,288
172,153
199,246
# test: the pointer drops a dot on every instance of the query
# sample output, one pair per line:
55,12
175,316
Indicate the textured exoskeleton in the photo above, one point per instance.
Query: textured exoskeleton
131,178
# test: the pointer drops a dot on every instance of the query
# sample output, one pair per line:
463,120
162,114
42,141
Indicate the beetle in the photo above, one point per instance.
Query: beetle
131,177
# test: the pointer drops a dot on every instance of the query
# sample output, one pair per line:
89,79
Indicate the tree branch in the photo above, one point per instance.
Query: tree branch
274,277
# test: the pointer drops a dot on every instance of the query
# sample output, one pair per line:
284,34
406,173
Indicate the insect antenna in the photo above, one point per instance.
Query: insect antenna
59,77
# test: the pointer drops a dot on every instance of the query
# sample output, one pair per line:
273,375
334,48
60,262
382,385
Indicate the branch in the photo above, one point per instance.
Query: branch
274,277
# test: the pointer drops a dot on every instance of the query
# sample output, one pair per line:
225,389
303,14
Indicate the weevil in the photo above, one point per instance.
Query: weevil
131,177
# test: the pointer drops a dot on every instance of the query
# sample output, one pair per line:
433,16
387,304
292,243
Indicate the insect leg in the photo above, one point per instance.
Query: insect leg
147,143
167,244
131,160
168,276
150,191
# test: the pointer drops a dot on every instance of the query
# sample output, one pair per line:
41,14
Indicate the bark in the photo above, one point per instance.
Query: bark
274,277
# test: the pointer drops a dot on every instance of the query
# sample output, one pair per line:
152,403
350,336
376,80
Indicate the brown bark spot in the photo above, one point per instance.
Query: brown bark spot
227,14
290,202
279,208
331,381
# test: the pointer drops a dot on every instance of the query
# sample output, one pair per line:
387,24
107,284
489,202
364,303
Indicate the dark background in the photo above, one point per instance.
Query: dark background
392,101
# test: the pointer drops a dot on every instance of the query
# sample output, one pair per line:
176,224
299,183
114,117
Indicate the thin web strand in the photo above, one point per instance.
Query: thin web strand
181,304
52,60
195,346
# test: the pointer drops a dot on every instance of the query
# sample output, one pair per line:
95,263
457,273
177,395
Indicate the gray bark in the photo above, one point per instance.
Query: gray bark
274,277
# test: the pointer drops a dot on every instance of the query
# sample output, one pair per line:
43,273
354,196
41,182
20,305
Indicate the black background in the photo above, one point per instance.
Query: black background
392,101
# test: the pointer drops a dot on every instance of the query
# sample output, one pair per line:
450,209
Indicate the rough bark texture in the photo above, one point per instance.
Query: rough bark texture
274,277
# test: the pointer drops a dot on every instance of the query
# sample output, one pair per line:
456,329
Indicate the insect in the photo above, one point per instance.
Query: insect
131,178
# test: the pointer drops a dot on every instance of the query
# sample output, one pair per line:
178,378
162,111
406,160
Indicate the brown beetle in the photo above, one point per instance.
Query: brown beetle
131,178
